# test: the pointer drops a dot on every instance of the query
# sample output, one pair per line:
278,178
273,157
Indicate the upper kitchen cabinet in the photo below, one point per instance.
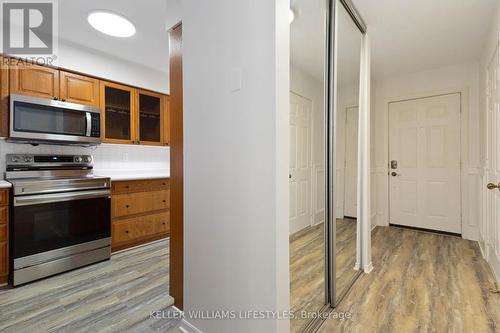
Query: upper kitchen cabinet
34,80
150,117
79,89
4,98
118,110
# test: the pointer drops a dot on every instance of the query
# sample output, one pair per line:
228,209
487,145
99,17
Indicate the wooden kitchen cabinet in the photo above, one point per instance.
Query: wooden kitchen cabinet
150,117
79,89
4,235
140,211
118,113
34,80
4,97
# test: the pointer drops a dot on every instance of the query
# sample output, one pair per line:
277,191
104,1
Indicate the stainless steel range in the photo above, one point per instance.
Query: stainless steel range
60,215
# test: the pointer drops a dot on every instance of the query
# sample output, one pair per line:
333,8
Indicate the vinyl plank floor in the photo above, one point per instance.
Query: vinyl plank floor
421,282
112,296
307,267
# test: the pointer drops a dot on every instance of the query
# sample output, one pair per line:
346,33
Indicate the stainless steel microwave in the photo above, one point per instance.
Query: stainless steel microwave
40,120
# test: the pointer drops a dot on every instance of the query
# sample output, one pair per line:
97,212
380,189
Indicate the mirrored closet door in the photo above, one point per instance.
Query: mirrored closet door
325,48
348,57
308,38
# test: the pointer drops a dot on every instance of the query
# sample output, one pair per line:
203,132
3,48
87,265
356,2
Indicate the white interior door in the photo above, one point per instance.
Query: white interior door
424,140
491,229
351,163
300,162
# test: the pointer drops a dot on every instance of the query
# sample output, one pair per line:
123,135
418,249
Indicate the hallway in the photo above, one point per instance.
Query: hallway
421,282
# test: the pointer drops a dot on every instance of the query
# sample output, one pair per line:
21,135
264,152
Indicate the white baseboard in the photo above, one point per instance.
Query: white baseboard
368,268
491,258
357,266
186,326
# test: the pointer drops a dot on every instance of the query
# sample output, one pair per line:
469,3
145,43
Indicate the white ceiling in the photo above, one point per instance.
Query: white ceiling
148,47
409,36
406,36
307,36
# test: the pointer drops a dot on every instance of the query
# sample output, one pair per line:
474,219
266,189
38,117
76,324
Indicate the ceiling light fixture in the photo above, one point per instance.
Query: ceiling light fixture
291,16
111,24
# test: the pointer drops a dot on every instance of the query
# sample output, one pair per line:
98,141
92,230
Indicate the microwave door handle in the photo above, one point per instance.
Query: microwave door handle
89,123
60,197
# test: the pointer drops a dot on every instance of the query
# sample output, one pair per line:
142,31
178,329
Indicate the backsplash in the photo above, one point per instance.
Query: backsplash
115,158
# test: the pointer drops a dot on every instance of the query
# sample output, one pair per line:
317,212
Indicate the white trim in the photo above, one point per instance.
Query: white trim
364,150
368,268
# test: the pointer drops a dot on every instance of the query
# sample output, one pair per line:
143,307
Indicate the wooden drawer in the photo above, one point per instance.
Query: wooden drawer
3,232
139,228
138,203
4,197
140,185
4,214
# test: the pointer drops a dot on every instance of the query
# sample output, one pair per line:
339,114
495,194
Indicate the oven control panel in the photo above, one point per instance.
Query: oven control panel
31,159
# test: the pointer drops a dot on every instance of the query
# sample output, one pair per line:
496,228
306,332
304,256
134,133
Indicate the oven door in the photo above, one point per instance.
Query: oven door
45,227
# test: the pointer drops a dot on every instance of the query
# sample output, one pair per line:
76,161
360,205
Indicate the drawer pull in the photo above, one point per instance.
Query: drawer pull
164,183
163,223
164,200
126,186
127,206
126,231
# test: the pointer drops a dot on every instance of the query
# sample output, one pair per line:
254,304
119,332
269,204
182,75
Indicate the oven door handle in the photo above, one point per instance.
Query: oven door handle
60,197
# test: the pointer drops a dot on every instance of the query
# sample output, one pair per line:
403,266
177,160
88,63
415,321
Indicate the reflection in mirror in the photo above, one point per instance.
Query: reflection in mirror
307,169
346,150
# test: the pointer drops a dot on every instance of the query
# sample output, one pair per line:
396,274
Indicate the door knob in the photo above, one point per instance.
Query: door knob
290,176
492,186
394,174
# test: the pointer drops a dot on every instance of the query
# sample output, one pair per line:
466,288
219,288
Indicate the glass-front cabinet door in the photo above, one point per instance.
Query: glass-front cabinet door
117,104
150,117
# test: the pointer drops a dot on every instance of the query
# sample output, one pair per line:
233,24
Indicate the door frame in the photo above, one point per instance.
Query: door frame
312,187
466,171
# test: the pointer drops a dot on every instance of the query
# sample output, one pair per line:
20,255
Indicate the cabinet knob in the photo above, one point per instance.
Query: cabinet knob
126,231
163,223
127,206
126,186
164,183
164,200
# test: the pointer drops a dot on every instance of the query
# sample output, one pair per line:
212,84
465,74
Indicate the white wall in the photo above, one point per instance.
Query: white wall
95,63
109,159
489,242
311,88
236,160
463,78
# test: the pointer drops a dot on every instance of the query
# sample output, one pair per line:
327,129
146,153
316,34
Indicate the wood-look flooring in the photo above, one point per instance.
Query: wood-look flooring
421,282
112,296
307,267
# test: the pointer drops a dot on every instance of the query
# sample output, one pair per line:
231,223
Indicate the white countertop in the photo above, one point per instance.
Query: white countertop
133,175
5,184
